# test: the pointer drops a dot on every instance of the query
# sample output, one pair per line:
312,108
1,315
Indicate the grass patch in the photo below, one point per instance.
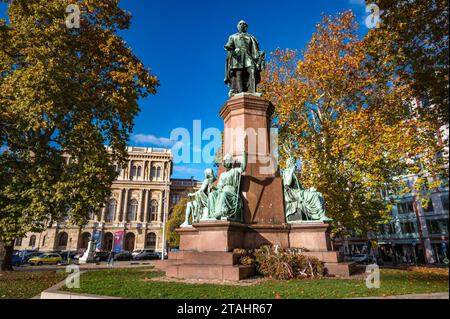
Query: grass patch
135,283
21,284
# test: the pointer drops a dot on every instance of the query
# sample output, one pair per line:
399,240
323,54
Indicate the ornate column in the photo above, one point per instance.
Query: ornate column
149,170
160,205
102,215
147,191
118,207
145,172
139,212
129,169
125,205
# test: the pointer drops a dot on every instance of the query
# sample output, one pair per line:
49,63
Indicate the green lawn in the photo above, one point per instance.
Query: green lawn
135,283
20,284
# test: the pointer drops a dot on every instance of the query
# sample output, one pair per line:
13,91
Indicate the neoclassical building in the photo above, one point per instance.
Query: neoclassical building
141,195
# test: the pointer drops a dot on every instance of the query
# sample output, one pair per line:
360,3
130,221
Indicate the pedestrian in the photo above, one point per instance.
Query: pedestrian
111,259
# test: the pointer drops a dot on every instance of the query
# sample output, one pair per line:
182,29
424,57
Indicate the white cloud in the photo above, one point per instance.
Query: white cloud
358,2
186,170
152,139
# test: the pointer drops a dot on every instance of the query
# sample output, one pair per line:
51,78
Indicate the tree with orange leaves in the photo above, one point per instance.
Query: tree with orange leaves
351,124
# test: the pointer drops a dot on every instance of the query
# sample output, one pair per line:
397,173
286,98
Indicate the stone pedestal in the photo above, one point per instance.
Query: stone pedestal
206,248
312,236
261,186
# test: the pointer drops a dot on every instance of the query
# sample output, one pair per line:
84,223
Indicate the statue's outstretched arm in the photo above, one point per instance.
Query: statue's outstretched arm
287,176
244,161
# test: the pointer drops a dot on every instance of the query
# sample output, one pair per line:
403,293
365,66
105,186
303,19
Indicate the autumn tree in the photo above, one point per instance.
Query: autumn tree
176,218
412,42
347,122
65,93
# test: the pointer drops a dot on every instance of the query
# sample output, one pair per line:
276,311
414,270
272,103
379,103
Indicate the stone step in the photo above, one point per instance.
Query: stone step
214,257
343,269
210,271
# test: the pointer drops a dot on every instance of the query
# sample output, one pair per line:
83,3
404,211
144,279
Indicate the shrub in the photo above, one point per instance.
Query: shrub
283,264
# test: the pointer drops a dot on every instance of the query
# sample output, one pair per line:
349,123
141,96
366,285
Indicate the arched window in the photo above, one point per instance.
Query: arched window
150,241
111,211
158,172
154,210
63,237
18,242
133,171
153,172
32,241
139,171
132,210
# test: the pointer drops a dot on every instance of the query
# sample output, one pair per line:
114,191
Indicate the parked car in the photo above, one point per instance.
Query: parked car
140,251
16,260
146,254
30,255
160,253
101,256
363,259
70,254
123,255
46,259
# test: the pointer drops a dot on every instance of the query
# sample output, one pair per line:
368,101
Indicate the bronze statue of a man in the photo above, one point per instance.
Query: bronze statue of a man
244,61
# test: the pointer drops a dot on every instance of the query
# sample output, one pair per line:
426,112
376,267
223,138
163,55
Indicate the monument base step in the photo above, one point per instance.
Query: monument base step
210,271
203,258
342,269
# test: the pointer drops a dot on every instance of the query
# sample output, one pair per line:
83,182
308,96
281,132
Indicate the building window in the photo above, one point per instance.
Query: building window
158,173
63,237
444,200
176,198
132,210
407,227
153,172
437,226
133,171
428,208
139,171
43,240
391,229
18,242
32,241
111,211
154,210
406,207
150,241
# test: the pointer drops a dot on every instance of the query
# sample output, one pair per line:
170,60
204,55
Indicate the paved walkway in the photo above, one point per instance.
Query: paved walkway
90,266
437,295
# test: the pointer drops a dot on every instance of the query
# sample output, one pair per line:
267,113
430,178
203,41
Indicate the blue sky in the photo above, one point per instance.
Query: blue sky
182,42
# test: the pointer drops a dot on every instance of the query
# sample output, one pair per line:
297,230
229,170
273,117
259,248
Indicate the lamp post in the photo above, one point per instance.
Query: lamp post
163,250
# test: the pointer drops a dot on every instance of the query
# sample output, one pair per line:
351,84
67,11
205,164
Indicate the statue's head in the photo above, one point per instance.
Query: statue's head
290,162
228,161
242,26
209,173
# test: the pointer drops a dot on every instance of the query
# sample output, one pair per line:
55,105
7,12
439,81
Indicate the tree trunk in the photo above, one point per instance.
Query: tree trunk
6,263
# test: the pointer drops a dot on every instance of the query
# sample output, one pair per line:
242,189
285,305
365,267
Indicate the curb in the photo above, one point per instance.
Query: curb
54,292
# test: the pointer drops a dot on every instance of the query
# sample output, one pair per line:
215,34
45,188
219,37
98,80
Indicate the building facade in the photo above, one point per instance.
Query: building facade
141,196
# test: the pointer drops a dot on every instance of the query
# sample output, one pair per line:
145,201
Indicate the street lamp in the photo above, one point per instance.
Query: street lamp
163,251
